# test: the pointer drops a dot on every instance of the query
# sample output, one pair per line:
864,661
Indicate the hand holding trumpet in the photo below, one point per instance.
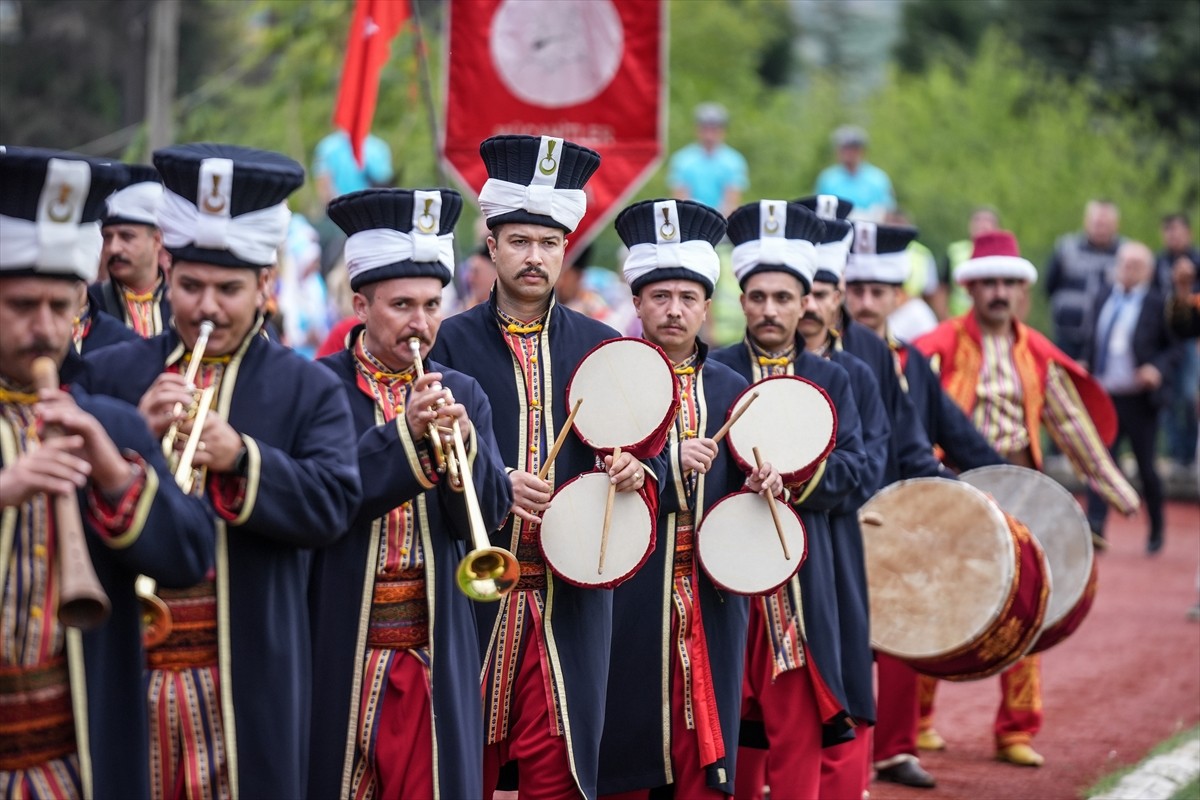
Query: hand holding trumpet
430,402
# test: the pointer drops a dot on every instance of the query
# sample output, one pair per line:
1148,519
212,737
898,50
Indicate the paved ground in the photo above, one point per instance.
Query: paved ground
1127,679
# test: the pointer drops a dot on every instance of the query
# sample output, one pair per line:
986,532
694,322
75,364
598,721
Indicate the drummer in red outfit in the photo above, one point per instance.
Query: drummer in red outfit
1010,380
675,683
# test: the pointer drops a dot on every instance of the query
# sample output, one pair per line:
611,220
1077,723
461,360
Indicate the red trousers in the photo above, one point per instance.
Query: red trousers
845,768
1020,715
404,742
787,706
898,711
542,759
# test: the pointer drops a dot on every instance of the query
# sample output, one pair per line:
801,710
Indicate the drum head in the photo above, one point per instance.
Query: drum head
739,548
940,566
1055,520
629,395
572,526
792,423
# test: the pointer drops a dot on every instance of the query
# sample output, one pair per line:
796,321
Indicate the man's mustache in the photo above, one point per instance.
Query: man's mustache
998,304
812,318
39,347
533,271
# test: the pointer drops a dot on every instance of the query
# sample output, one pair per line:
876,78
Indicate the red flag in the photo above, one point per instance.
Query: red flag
375,24
592,71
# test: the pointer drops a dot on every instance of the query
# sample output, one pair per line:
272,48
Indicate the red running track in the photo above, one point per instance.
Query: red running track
1126,680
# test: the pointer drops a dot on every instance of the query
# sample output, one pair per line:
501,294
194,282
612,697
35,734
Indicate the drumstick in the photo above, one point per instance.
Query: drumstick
774,511
736,415
608,507
558,443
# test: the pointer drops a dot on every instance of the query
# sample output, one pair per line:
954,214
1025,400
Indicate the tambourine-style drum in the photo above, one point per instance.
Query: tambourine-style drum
792,422
739,548
571,533
630,397
1059,525
958,589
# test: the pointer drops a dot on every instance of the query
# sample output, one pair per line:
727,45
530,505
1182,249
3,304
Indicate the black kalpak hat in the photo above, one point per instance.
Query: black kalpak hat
535,179
398,233
879,253
827,206
50,207
224,204
137,201
775,236
671,240
832,251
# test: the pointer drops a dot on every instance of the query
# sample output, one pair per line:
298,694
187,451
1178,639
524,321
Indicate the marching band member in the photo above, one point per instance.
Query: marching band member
795,699
876,268
396,657
229,687
675,682
1010,380
74,719
546,645
136,290
93,329
844,765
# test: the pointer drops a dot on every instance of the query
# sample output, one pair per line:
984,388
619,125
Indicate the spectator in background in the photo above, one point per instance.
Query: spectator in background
913,317
595,291
337,172
865,185
1081,267
952,299
1179,255
302,298
708,170
479,275
1134,357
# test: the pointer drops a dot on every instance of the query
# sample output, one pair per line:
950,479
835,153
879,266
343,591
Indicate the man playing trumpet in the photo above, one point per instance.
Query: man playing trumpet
396,655
229,689
73,722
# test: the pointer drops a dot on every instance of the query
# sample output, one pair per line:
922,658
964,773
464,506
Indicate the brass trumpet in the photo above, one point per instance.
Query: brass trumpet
156,615
82,601
487,572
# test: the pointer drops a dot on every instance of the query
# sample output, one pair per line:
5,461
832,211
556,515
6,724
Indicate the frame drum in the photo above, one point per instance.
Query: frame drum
630,394
793,424
738,546
572,526
1059,525
958,589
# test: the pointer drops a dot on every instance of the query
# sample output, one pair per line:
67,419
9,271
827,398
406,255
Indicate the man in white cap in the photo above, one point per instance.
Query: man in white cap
675,683
546,644
74,716
136,289
398,686
229,690
1010,381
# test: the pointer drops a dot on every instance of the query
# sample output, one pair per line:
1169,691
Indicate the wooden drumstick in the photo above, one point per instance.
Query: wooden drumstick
558,443
774,511
735,417
608,508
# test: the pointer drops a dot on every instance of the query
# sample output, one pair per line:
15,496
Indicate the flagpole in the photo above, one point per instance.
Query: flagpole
427,90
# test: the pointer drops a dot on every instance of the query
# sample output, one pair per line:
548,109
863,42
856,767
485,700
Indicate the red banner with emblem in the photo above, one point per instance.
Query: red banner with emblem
589,71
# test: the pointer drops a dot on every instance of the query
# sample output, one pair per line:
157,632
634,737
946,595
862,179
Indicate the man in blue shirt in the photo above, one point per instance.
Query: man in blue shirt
854,179
337,172
708,170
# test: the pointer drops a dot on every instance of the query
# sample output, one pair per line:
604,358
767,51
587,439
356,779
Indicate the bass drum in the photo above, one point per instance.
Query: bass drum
958,589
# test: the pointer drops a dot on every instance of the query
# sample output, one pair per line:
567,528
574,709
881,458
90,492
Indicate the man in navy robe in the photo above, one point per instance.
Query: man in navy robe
797,699
675,683
399,674
229,689
74,704
546,644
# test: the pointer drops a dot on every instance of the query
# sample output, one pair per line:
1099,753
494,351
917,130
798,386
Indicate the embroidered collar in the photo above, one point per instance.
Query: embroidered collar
688,365
374,368
142,297
10,393
514,325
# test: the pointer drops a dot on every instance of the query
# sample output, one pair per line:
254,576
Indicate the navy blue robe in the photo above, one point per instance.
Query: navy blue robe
636,746
302,489
174,545
104,330
386,454
911,454
109,298
944,422
849,558
579,620
844,468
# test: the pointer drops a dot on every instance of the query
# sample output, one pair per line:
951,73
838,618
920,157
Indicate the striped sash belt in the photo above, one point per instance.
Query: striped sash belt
399,613
192,642
36,723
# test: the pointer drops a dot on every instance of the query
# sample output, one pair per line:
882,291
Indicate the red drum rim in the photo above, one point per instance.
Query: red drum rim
713,559
745,457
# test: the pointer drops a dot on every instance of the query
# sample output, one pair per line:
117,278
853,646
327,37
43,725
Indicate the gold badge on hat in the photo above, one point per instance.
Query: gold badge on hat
772,224
549,164
61,209
214,203
667,230
426,222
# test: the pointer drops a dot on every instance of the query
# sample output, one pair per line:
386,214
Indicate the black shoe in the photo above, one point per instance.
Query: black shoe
906,773
1154,543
